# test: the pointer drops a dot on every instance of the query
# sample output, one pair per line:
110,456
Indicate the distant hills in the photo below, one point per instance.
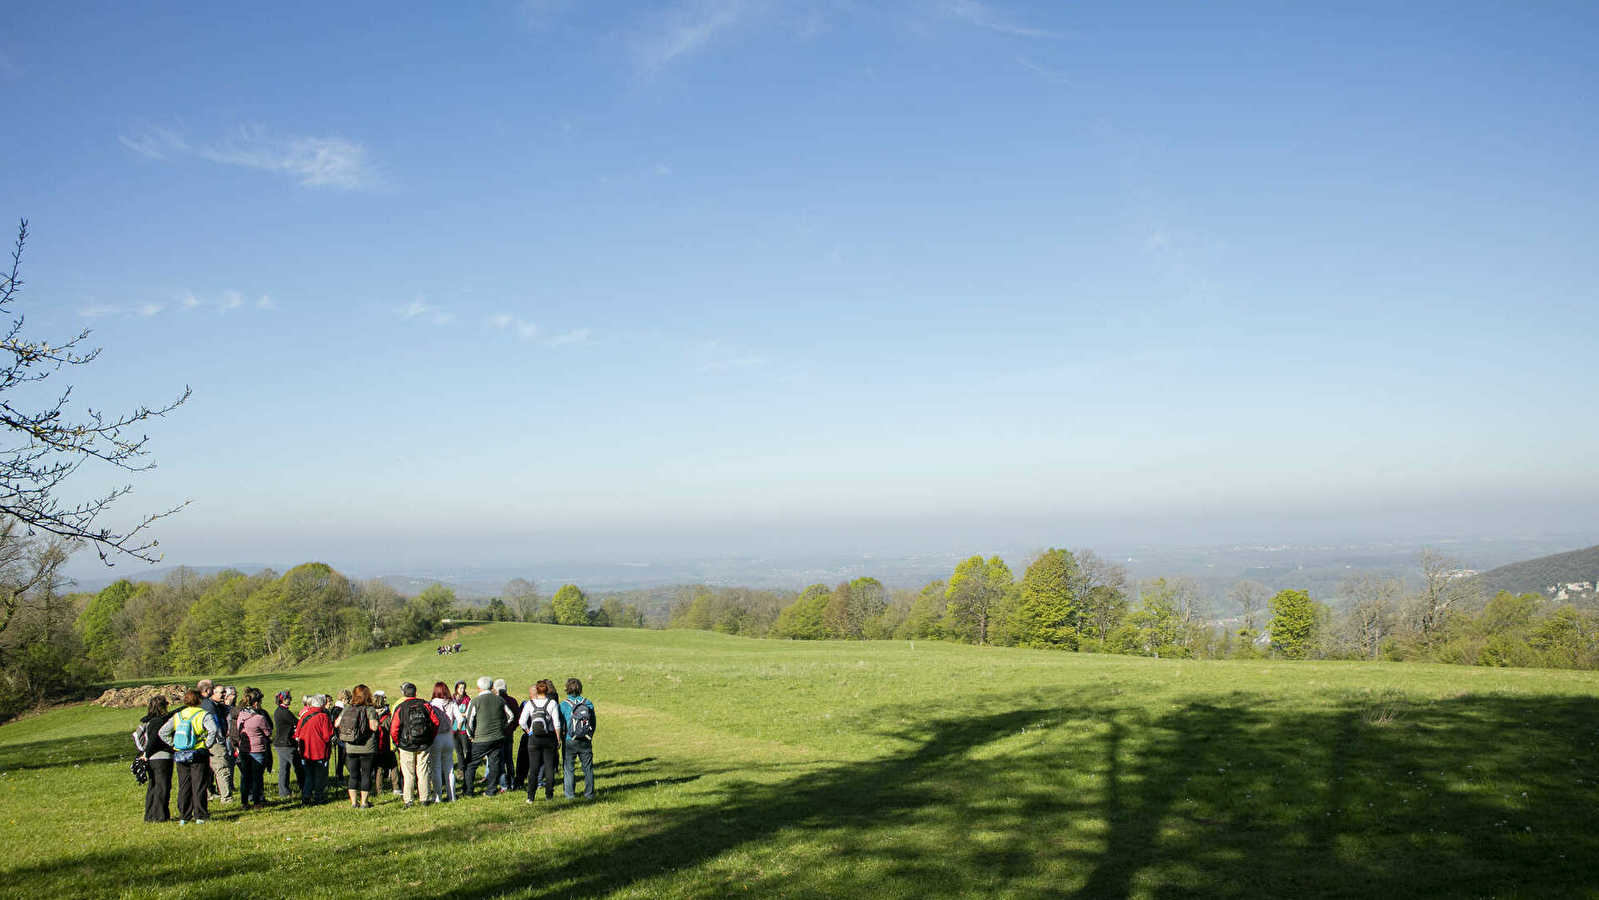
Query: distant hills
1538,576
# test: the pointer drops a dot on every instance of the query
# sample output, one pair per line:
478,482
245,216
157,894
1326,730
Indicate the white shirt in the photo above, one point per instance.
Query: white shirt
449,720
530,710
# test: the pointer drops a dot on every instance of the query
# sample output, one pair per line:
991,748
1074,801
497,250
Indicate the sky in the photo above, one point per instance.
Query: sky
510,281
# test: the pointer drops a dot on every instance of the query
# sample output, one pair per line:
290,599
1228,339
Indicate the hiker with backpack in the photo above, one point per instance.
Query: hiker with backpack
415,725
252,735
288,761
358,727
486,721
578,723
213,700
157,755
441,757
191,732
541,722
314,733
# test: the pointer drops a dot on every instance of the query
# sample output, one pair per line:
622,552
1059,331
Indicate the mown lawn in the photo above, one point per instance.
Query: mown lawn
735,767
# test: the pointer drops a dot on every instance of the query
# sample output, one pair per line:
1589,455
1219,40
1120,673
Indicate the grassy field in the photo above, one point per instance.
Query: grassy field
736,767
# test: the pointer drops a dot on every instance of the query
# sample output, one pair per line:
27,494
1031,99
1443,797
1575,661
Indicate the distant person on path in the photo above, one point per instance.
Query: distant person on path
288,760
441,758
463,738
358,731
541,722
191,732
315,737
158,754
486,718
415,725
578,724
253,737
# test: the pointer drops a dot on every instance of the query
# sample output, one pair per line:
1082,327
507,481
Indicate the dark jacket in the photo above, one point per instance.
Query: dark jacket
219,711
283,722
154,747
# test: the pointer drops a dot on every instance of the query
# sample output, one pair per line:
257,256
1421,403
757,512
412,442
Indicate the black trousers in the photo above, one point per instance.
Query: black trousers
522,762
542,758
193,779
463,753
158,793
363,770
484,752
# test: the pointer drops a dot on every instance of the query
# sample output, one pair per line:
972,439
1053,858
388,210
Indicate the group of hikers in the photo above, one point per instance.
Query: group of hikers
428,749
450,648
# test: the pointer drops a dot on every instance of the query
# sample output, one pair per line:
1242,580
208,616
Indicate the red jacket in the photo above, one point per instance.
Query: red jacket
394,718
315,734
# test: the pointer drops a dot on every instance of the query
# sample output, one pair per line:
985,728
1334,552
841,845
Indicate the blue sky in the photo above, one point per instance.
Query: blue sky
517,281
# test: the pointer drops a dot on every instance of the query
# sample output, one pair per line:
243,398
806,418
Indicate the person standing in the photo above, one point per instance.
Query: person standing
158,755
215,706
441,759
314,735
337,760
578,724
283,743
191,732
386,761
358,731
463,738
507,762
541,720
415,725
252,734
486,718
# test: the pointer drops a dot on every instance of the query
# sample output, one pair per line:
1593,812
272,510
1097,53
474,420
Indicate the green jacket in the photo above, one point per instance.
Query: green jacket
486,718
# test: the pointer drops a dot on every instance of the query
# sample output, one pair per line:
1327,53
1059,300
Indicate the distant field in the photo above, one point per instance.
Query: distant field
737,767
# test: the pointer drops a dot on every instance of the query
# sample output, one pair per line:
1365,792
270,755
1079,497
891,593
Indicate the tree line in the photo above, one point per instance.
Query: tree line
1079,601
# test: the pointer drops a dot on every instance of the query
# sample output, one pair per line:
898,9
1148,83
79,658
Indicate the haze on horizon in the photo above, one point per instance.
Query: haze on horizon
552,279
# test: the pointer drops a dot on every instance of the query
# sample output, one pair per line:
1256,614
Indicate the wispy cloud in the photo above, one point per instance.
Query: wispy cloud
1048,75
984,16
514,325
422,311
184,301
575,336
331,162
685,30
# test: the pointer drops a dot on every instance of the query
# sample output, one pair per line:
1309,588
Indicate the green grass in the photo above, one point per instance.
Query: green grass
736,767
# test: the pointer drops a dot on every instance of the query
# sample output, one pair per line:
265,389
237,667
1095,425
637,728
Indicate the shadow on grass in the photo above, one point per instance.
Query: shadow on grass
1064,797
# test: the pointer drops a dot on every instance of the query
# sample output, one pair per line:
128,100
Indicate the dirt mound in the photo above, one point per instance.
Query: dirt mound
139,697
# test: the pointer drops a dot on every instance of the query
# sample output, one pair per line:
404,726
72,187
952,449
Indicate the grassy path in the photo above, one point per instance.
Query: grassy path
732,767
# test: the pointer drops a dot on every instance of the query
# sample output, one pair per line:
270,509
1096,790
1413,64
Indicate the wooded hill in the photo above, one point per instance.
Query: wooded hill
1535,576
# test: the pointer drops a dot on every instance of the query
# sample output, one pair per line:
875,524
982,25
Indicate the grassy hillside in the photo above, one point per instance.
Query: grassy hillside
758,768
1536,575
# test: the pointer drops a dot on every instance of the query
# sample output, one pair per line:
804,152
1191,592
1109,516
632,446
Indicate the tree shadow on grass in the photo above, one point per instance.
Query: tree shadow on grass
1062,796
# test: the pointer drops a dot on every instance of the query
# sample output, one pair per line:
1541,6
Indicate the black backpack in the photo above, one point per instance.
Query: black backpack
356,728
582,722
416,726
541,726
